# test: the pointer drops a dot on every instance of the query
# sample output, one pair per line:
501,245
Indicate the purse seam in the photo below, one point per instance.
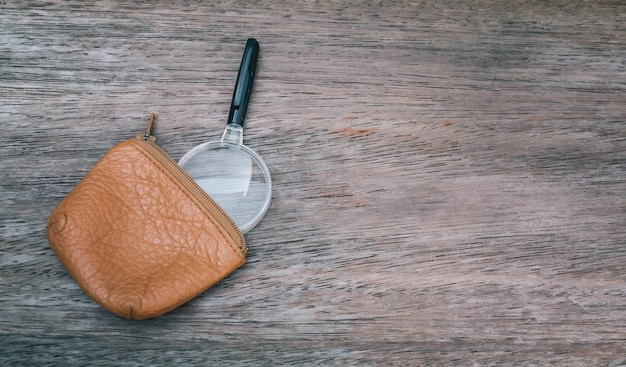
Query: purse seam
218,225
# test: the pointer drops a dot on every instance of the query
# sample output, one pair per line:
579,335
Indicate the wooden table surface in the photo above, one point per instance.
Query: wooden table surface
449,178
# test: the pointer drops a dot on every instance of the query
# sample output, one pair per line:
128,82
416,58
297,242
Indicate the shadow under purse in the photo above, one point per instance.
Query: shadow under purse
139,236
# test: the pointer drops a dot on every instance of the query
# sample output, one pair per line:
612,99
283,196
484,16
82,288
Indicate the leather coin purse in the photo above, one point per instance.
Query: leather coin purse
139,236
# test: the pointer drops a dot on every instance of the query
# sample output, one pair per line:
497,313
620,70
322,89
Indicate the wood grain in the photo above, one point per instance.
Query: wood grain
450,178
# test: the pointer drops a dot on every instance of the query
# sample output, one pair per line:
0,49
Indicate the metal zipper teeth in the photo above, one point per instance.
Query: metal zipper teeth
202,196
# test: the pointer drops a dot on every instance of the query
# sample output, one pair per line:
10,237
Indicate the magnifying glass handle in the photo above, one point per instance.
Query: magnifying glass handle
243,87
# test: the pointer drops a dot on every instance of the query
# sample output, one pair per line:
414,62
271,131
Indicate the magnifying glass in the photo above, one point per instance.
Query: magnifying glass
231,173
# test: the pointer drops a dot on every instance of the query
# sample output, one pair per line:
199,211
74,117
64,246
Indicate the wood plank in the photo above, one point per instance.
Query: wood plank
450,178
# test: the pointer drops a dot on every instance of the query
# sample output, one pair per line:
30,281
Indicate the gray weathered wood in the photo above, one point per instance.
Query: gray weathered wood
450,178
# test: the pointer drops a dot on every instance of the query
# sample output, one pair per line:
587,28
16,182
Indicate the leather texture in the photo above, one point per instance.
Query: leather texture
136,240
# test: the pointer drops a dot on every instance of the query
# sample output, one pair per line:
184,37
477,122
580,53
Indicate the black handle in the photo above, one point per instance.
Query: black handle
243,87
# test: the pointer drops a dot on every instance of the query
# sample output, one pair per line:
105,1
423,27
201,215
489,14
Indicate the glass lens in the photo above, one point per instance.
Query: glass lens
235,177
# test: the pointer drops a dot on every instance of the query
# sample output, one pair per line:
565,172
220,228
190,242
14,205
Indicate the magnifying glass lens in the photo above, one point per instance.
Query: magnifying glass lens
235,177
222,170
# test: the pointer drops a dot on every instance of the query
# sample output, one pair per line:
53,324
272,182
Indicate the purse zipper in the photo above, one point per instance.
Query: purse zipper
148,143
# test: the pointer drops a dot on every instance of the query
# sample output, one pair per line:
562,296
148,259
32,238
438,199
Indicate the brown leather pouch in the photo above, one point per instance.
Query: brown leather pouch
139,236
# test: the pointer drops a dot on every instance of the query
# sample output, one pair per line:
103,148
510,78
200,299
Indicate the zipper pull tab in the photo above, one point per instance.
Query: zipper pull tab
146,136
